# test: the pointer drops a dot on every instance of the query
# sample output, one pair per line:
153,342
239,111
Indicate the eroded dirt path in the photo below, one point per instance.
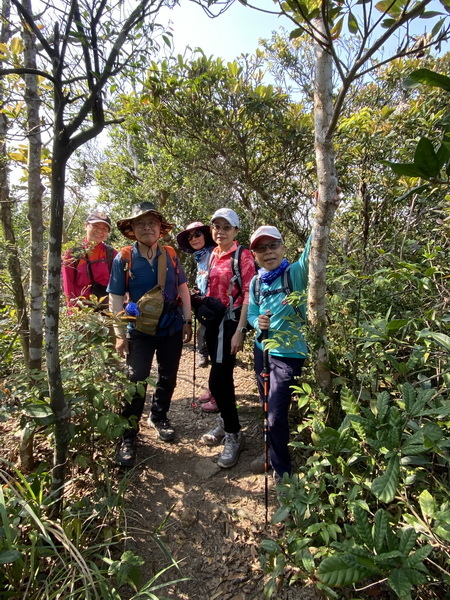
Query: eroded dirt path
214,518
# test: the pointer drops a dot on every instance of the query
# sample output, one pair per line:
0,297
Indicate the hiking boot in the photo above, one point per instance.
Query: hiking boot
210,407
234,444
214,436
126,453
164,429
205,397
257,466
202,361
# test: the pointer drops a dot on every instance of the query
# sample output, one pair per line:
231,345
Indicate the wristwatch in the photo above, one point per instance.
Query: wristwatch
242,329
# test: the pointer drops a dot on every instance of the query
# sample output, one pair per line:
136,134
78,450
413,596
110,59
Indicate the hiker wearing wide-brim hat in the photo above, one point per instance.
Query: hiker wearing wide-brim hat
197,239
138,210
185,236
148,279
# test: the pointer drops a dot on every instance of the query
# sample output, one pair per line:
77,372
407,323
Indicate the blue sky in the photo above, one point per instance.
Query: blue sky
238,29
235,32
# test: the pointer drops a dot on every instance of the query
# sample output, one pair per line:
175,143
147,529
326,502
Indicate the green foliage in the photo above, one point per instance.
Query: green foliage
40,558
94,383
370,502
206,134
429,164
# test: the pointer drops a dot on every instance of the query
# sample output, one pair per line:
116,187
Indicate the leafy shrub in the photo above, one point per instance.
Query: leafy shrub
370,504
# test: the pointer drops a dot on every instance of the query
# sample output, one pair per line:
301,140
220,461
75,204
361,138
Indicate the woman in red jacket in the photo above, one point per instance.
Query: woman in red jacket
86,269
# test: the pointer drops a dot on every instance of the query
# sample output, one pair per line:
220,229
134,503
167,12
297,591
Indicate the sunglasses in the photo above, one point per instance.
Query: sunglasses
269,246
217,227
196,234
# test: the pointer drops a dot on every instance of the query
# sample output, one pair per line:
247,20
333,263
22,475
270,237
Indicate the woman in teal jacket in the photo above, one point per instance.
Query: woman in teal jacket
268,310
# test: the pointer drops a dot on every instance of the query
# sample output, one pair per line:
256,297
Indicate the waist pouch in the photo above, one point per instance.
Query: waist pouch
150,307
210,311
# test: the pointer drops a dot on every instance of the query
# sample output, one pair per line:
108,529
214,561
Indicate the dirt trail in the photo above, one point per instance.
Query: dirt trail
215,517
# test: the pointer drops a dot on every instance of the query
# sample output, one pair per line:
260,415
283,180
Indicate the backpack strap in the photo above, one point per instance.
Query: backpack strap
286,288
109,256
126,254
162,267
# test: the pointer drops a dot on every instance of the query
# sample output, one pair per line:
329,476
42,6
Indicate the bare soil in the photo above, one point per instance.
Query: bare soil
213,519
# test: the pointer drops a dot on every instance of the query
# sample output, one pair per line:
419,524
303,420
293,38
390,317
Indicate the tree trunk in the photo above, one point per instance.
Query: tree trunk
5,210
326,206
35,193
58,401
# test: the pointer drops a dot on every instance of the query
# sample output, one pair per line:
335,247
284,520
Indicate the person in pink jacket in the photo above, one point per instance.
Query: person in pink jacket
86,269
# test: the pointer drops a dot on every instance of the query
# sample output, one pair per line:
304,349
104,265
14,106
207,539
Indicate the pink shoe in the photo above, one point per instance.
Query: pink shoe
205,397
210,407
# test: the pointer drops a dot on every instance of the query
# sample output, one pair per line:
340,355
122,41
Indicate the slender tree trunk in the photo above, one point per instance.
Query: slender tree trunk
327,181
35,193
5,209
58,401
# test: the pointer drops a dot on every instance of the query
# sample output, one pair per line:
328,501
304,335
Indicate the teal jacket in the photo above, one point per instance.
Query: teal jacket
285,323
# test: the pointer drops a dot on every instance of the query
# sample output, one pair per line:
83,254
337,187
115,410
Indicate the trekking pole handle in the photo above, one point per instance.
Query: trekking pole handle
265,336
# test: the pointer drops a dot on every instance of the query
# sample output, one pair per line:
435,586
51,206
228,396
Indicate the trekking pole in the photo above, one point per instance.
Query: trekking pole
194,372
266,380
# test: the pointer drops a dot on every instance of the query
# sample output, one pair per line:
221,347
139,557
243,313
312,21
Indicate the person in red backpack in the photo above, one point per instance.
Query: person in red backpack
86,270
135,274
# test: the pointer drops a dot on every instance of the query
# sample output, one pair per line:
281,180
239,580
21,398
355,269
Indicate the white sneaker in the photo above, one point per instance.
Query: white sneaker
214,436
234,444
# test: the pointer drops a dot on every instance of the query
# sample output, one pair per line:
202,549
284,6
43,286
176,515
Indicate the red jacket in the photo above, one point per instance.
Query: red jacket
77,282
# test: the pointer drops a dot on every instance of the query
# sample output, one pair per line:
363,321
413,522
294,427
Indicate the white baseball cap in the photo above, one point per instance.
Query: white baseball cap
227,214
264,231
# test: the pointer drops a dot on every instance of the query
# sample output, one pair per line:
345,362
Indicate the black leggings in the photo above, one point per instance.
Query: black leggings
221,383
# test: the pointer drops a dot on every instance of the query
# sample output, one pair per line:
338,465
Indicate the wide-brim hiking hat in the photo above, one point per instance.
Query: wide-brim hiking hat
137,210
264,231
228,214
183,236
99,217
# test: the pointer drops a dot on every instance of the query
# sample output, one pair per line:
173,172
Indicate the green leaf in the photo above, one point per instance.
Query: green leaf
427,77
425,158
38,411
408,539
392,8
400,583
334,571
352,23
427,504
416,559
363,526
270,546
385,487
348,402
295,33
396,325
440,338
280,514
380,527
404,169
409,395
9,556
383,400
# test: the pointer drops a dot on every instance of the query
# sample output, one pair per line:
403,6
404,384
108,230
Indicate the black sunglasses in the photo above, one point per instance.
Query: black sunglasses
196,234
